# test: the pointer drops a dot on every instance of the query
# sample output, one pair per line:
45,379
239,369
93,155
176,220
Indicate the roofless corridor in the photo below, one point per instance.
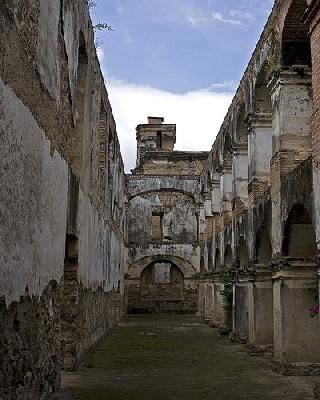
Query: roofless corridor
171,357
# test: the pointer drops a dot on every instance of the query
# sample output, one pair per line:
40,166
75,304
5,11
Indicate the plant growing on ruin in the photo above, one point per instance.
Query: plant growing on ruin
314,291
100,26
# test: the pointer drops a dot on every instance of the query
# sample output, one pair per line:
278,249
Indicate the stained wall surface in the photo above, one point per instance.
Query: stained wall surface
62,203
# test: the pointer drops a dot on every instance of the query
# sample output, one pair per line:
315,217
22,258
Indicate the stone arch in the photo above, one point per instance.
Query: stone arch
263,248
227,148
162,281
187,269
295,42
228,257
167,184
261,94
163,190
241,131
299,239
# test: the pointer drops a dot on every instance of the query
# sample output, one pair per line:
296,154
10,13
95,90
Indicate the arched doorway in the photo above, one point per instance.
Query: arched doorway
295,46
162,281
162,284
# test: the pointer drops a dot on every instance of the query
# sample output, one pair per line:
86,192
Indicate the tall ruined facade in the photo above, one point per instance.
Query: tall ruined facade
165,223
62,201
233,234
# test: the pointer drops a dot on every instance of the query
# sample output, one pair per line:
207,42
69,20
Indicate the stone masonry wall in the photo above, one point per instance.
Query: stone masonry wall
62,203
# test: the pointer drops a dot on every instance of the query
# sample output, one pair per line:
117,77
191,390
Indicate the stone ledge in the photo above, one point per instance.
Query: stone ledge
296,369
265,351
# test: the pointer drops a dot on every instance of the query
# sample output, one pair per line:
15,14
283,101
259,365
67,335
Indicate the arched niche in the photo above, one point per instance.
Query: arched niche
241,133
263,247
299,239
261,94
228,258
227,150
295,44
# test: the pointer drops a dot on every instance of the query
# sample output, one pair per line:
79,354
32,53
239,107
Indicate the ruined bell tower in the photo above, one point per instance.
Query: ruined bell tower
155,136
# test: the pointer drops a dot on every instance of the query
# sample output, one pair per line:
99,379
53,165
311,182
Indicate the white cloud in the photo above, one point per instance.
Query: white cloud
229,86
242,15
216,16
195,21
234,17
198,115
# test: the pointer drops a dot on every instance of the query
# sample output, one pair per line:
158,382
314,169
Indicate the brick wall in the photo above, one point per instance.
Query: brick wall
315,50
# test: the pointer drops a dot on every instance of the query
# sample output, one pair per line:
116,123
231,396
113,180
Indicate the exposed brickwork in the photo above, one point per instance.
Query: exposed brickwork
315,49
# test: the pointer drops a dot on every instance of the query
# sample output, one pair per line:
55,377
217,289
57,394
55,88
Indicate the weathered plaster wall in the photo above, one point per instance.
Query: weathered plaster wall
33,203
62,203
179,217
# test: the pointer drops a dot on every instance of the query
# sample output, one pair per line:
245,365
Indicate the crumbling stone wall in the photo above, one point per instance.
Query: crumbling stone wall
164,223
62,203
260,189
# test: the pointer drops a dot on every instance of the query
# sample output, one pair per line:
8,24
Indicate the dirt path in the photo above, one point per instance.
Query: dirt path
159,357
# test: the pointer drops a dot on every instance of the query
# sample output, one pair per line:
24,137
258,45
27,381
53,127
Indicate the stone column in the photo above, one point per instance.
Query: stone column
209,302
240,178
260,299
221,316
240,308
260,153
226,193
296,334
201,299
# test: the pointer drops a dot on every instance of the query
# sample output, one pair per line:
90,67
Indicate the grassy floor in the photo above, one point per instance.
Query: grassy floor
173,357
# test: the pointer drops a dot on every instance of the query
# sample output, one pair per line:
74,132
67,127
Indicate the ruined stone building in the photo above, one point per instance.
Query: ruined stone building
165,222
233,234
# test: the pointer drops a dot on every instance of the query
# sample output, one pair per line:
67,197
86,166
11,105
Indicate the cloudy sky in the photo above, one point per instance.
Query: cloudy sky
179,59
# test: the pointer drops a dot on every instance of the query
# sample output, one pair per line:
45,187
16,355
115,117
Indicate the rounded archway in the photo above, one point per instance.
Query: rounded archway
261,95
295,44
162,281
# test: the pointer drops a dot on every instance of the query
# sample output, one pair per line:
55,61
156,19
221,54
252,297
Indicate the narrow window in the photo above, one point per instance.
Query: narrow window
159,140
157,226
